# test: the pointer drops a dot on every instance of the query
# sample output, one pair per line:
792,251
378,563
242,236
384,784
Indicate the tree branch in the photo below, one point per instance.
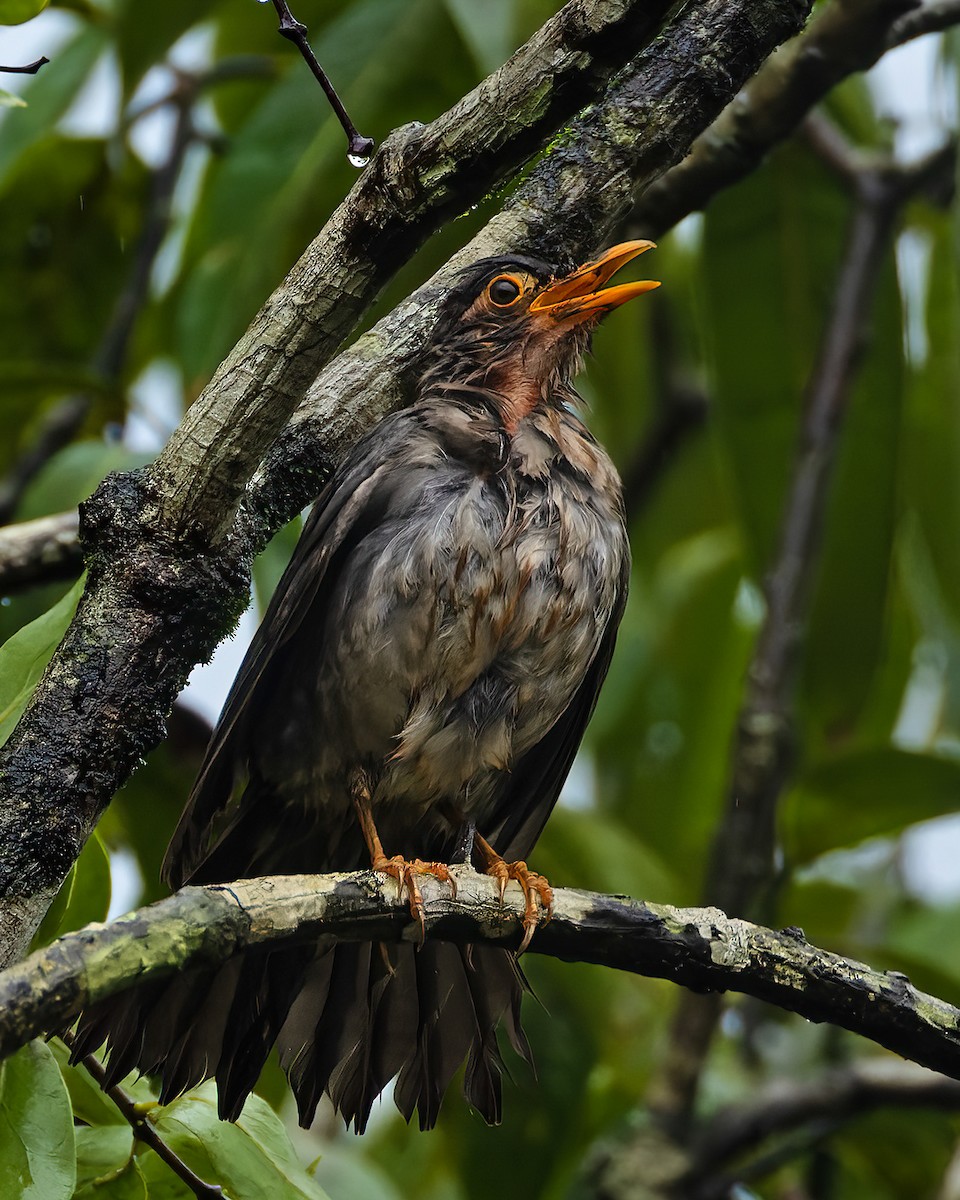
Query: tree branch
29,69
933,16
646,121
843,38
39,551
837,1096
698,948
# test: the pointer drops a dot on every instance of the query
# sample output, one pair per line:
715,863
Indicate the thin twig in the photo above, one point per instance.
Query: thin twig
137,1115
681,410
359,148
57,429
29,69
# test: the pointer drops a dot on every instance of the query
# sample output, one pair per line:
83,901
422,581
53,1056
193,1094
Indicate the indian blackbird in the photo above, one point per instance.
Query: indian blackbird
421,681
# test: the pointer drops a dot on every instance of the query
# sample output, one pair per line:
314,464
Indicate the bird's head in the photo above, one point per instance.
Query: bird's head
513,328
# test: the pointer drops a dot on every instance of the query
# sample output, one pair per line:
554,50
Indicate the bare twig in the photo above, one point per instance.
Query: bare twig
359,148
681,410
838,1095
137,1116
58,428
29,69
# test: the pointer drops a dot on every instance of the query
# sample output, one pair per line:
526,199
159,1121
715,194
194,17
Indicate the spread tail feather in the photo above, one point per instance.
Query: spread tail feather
346,1020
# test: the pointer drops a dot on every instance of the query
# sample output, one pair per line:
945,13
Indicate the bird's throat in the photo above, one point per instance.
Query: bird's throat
515,394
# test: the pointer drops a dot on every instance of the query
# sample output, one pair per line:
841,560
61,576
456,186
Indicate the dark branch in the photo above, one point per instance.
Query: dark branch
843,38
743,855
358,147
57,429
139,1121
932,17
29,69
742,867
698,948
837,1096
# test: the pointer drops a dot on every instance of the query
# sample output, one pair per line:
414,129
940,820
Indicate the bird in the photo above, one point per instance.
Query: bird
413,697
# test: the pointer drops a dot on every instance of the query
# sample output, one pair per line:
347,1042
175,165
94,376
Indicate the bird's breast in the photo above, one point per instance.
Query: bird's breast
462,625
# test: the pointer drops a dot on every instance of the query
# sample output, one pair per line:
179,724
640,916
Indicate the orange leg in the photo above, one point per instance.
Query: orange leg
404,871
534,886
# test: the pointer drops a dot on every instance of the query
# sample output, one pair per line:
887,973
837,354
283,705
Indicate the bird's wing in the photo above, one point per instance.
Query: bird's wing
537,778
351,504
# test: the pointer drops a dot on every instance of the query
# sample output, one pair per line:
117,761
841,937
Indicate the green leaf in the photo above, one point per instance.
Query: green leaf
37,1160
487,30
24,656
84,895
9,100
90,1103
106,1166
250,1159
866,794
770,250
15,12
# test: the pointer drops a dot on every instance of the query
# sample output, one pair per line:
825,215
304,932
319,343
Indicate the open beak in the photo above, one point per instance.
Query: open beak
578,296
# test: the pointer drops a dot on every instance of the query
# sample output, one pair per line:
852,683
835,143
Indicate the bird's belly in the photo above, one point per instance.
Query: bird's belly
454,642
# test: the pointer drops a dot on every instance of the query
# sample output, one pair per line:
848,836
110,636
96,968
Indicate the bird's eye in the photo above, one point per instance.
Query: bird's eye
505,290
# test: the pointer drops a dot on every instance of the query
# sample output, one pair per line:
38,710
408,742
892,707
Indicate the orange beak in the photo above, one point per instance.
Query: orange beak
578,296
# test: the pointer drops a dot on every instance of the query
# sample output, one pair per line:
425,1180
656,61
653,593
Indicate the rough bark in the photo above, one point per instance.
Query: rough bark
700,948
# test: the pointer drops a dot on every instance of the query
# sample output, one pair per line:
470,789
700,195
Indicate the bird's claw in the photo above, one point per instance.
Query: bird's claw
535,888
406,873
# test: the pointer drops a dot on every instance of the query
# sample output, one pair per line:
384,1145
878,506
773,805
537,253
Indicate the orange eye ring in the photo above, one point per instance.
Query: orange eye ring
504,291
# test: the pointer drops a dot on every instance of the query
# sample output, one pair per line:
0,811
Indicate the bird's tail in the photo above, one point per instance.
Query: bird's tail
346,1020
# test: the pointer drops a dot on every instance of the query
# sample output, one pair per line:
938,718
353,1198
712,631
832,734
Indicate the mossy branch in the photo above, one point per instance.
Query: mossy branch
700,948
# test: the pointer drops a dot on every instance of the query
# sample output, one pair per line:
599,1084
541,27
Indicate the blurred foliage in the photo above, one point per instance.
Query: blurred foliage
739,321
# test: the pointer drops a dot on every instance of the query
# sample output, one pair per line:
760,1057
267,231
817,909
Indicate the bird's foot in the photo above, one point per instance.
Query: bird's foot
535,889
407,872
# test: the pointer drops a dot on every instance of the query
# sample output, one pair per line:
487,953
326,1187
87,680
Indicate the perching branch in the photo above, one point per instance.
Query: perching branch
698,948
167,564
